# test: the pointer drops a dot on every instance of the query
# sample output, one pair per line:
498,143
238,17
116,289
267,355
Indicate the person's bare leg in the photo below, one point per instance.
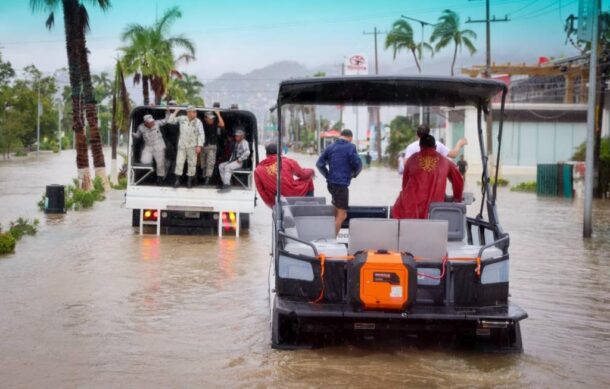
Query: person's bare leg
340,216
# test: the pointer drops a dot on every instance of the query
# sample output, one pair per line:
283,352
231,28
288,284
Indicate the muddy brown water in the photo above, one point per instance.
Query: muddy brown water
89,303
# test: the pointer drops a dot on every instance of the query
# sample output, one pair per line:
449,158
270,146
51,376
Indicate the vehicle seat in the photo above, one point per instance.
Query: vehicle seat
315,224
454,214
303,200
426,239
372,234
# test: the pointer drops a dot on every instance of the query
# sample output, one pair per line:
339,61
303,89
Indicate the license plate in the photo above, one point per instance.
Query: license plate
192,215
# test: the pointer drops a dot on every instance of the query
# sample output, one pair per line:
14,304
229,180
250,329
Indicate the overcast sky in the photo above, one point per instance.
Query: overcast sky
242,35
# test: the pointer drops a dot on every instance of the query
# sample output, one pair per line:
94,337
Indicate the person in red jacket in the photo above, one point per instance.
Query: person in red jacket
265,176
424,181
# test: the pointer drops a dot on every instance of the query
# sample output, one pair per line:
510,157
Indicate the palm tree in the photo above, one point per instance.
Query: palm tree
149,54
95,140
401,38
448,30
103,86
192,88
75,20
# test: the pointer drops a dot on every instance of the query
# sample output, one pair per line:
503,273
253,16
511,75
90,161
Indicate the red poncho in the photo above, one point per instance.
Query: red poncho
423,182
265,177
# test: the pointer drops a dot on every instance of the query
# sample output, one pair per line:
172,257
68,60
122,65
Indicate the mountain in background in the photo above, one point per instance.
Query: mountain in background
256,91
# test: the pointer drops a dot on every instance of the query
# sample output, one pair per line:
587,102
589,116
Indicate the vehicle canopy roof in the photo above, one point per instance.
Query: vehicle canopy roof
389,90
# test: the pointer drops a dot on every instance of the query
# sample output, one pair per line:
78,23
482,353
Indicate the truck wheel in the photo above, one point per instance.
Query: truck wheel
244,221
135,218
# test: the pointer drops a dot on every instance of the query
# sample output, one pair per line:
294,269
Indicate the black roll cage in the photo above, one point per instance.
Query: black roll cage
399,90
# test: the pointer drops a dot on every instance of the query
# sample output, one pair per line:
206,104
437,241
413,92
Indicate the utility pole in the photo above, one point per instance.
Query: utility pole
377,111
487,73
38,113
588,201
59,137
423,24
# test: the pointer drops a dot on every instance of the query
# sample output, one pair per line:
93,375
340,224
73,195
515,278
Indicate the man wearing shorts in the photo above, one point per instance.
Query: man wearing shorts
339,163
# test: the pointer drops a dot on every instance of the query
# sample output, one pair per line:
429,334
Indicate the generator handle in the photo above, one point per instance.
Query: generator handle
313,247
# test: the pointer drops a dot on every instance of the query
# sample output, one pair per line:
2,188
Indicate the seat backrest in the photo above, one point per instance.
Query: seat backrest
311,228
312,210
310,222
304,200
454,213
423,238
372,234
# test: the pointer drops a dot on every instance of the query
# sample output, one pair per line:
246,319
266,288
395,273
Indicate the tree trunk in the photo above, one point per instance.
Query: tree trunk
454,57
145,92
417,62
113,131
158,89
95,141
70,8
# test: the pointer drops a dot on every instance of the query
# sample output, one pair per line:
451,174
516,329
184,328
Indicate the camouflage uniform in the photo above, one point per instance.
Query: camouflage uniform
241,153
191,136
154,145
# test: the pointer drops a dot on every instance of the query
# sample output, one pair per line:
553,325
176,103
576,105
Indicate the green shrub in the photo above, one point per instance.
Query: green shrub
21,153
528,186
501,181
121,185
7,243
21,227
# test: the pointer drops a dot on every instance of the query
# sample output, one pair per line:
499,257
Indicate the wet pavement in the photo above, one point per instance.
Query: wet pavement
89,303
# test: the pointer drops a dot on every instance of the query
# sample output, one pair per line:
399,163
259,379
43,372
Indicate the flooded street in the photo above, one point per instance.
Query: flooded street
89,303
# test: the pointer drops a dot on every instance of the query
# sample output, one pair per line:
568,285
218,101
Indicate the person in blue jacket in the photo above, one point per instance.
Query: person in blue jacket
339,163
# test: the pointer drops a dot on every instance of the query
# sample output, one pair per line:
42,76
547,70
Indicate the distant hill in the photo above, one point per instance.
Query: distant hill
255,91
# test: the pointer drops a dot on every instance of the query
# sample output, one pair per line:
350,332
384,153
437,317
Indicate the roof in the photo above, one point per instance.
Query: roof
389,90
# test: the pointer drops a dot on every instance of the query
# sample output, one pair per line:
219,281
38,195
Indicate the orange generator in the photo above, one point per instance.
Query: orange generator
383,280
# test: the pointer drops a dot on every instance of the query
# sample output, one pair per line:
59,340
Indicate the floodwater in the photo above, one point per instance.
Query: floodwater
89,303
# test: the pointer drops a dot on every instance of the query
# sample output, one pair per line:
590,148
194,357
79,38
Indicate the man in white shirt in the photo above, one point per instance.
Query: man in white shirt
443,150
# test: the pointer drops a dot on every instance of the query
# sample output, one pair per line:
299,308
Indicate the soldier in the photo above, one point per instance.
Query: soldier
212,130
240,154
190,143
154,145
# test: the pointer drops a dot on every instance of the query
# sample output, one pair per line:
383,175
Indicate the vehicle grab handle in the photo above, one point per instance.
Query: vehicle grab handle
313,247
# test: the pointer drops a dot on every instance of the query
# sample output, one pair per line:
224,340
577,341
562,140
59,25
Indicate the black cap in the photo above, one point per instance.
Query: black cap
347,133
271,149
427,141
422,130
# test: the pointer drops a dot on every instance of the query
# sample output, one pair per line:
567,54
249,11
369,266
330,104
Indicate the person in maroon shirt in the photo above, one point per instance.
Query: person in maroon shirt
265,176
424,181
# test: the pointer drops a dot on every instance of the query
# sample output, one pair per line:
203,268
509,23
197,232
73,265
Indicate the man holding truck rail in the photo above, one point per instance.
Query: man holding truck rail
190,143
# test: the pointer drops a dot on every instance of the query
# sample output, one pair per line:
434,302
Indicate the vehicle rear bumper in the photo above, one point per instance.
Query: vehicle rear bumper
307,310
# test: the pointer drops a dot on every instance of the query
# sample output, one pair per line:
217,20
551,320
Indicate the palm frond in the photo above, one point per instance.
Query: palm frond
168,17
50,22
469,45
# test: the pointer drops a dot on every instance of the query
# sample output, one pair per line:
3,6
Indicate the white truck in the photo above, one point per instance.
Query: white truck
200,209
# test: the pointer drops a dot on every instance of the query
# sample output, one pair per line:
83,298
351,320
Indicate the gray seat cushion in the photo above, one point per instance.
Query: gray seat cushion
373,234
329,248
425,239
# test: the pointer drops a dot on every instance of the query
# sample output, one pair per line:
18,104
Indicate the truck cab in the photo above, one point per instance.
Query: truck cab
201,208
